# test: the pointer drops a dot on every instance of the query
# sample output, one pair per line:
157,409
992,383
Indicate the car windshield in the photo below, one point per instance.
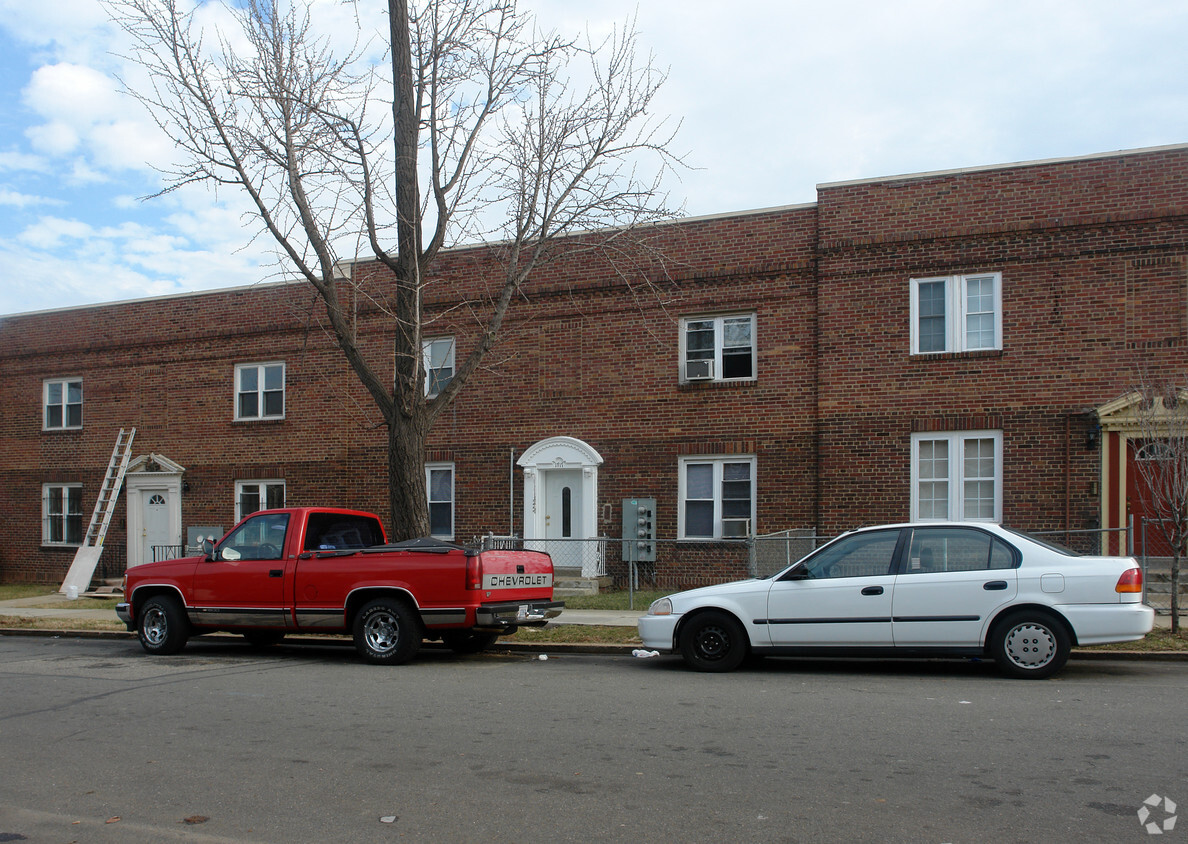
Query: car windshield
1045,542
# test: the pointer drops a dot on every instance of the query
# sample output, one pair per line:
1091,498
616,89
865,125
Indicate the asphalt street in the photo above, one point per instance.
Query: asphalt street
226,743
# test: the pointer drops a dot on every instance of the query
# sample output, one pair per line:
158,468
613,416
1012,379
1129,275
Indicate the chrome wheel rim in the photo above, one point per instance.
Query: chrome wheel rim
382,632
155,626
1030,645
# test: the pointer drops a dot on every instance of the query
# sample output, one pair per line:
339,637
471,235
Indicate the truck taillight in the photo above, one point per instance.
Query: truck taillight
1130,581
474,573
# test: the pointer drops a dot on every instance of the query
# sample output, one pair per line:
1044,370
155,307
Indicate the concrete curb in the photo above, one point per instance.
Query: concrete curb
549,648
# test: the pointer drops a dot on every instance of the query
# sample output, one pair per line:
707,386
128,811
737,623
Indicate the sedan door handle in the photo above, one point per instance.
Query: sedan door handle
995,585
876,590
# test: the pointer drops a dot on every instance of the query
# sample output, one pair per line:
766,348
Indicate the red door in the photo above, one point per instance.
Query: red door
1145,462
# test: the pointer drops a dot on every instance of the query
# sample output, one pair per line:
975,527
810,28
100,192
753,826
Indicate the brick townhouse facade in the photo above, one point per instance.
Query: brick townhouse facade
955,345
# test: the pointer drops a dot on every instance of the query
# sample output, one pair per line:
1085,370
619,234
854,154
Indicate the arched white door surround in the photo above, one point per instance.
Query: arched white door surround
153,486
561,502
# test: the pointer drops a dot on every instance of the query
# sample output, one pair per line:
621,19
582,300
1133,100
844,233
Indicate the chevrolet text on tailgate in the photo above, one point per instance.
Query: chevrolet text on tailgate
323,570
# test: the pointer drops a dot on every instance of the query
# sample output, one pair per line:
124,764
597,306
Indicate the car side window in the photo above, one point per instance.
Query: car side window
259,538
956,549
861,555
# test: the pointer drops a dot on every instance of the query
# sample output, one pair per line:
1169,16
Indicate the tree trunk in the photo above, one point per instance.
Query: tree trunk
406,480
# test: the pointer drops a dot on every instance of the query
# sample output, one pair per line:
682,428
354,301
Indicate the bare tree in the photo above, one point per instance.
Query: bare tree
1161,462
490,138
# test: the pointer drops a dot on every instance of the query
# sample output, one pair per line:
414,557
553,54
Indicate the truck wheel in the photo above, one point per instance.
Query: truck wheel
468,641
387,632
162,627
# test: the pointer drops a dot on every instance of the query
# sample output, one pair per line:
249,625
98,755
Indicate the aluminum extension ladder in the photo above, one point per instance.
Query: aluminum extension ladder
87,557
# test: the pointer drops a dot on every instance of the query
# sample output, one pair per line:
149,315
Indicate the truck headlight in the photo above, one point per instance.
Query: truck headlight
662,606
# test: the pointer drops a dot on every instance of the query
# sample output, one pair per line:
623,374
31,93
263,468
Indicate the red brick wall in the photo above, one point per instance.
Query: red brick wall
1092,257
1089,252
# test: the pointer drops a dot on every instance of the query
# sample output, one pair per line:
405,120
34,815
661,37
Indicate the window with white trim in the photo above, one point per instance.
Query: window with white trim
439,484
957,476
959,313
717,497
720,348
61,514
251,496
62,403
260,391
439,364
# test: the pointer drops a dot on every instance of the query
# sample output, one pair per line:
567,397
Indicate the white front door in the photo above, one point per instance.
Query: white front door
563,516
561,503
155,521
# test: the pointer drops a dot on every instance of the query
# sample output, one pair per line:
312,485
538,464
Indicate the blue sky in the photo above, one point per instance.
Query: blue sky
776,97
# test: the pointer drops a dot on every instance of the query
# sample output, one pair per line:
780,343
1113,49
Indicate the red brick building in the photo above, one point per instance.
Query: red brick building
951,345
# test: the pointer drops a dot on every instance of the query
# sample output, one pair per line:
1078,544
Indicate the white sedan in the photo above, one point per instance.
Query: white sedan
930,589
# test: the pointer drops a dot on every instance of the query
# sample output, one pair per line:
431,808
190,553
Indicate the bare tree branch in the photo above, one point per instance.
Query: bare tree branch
525,145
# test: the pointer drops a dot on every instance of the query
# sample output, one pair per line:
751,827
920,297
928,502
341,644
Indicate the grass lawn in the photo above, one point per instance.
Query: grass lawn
617,599
13,591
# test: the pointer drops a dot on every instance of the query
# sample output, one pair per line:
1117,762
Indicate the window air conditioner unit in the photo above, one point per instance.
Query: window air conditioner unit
699,370
736,528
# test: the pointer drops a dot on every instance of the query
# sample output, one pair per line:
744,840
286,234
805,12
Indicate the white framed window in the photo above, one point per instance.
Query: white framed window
717,497
439,363
718,348
61,514
260,391
439,484
957,476
62,404
959,313
251,496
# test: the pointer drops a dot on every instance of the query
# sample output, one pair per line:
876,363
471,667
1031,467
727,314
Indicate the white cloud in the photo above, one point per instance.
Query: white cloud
776,97
53,138
72,93
53,232
15,199
22,162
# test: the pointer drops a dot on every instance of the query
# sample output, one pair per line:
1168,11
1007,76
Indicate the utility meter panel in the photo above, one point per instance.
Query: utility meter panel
639,530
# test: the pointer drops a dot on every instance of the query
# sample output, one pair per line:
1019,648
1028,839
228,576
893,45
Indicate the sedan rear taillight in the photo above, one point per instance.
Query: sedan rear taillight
1130,581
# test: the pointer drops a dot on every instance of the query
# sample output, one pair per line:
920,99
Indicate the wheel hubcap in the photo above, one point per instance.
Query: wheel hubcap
712,643
382,632
154,626
1030,645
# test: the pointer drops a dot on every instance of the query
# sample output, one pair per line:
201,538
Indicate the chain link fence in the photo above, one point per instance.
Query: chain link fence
1154,553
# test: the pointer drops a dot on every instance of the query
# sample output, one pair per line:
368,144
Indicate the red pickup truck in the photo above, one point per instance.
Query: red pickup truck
325,570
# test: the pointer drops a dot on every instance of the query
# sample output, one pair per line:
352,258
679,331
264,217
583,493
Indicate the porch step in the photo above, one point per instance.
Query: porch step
565,586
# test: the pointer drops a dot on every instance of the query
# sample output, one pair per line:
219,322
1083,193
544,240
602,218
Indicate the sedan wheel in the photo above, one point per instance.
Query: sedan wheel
1030,645
713,641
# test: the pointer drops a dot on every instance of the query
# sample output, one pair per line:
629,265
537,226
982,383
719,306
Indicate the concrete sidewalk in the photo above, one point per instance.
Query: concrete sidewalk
34,608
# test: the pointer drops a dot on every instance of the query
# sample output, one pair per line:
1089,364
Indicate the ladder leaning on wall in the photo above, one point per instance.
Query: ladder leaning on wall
87,556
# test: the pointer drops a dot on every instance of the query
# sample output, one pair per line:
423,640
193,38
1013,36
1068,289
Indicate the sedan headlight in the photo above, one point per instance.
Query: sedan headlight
662,606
